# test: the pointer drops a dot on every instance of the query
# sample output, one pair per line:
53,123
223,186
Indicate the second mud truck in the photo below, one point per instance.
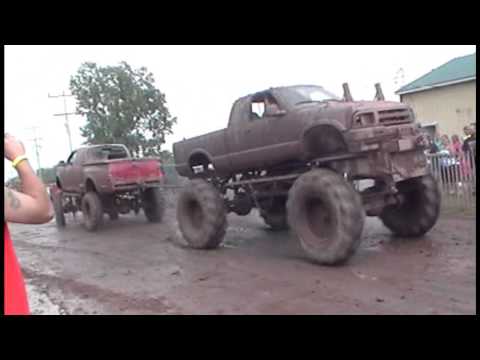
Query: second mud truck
296,154
105,179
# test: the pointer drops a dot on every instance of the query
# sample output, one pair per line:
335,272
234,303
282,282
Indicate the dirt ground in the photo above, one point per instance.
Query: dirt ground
133,267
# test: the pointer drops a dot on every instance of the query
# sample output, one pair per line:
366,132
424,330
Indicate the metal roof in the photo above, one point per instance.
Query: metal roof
455,71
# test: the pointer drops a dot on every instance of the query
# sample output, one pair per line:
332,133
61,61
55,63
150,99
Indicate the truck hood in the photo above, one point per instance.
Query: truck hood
343,111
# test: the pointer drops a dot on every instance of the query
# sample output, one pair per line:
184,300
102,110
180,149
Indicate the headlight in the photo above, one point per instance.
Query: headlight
364,119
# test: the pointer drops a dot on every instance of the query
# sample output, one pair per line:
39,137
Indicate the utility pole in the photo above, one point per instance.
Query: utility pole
65,113
37,149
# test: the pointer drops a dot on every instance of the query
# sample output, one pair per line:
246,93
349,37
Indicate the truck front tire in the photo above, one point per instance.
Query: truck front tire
419,211
153,205
92,211
327,215
201,215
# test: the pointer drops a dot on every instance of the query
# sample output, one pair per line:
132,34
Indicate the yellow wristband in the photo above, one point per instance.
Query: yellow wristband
18,160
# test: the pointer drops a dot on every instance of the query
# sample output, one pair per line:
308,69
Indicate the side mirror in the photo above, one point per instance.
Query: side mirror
61,163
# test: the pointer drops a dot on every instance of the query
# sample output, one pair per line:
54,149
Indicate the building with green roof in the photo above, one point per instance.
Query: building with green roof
444,100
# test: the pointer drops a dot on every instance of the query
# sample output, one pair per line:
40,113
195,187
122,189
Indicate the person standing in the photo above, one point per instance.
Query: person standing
29,206
456,149
469,142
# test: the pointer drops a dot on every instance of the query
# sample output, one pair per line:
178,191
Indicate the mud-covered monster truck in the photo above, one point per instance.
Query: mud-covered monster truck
298,161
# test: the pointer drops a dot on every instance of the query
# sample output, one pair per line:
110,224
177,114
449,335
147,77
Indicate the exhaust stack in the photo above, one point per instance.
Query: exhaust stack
379,93
347,96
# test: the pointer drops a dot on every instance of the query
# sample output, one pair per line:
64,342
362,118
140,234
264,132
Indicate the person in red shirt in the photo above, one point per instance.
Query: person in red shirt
31,205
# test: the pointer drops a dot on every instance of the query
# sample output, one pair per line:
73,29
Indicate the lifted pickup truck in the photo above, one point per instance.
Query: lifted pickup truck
297,154
106,179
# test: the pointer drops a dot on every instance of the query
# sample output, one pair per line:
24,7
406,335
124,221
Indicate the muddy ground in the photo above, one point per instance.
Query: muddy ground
133,267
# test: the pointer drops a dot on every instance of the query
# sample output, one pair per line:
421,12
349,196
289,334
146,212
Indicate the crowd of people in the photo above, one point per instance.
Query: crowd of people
456,156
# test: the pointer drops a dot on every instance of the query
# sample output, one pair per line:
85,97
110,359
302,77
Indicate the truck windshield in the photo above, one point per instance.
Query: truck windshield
305,94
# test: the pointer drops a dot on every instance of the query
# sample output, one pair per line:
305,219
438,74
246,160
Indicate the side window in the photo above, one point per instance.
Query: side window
79,158
257,109
262,105
97,153
72,157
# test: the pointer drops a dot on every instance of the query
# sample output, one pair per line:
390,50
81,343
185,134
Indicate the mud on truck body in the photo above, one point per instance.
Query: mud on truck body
300,165
105,179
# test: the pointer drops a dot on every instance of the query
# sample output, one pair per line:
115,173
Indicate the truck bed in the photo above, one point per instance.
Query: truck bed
213,143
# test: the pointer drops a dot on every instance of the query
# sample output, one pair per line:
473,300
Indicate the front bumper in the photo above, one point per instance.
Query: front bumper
407,162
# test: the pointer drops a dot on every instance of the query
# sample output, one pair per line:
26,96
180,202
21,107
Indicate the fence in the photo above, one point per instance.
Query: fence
456,176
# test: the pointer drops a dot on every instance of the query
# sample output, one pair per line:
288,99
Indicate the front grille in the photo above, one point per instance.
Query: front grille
394,116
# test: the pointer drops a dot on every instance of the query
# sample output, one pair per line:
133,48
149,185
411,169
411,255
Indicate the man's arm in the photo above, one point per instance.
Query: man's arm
21,208
32,205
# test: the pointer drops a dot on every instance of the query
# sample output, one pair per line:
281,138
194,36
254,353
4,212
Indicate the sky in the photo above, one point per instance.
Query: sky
200,82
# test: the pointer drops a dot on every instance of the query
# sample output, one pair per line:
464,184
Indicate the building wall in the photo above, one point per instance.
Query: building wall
452,106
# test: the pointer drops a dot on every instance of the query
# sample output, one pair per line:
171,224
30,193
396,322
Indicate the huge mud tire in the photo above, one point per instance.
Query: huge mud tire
327,215
153,205
58,208
419,211
92,210
201,215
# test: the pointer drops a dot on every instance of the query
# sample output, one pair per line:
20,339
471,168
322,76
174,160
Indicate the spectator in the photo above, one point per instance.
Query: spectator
456,149
445,142
438,143
31,206
469,149
470,141
446,161
456,145
432,148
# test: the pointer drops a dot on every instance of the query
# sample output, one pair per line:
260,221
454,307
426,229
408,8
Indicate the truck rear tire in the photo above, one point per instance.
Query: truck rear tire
58,208
153,204
327,215
92,211
201,215
419,211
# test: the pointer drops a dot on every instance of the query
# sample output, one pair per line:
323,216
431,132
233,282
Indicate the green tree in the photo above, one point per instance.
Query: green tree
123,106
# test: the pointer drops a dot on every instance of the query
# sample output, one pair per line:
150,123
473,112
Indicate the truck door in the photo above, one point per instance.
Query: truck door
76,171
246,132
282,133
67,172
254,127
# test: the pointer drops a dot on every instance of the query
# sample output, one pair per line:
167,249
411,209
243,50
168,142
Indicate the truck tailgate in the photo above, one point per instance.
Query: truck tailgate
130,172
